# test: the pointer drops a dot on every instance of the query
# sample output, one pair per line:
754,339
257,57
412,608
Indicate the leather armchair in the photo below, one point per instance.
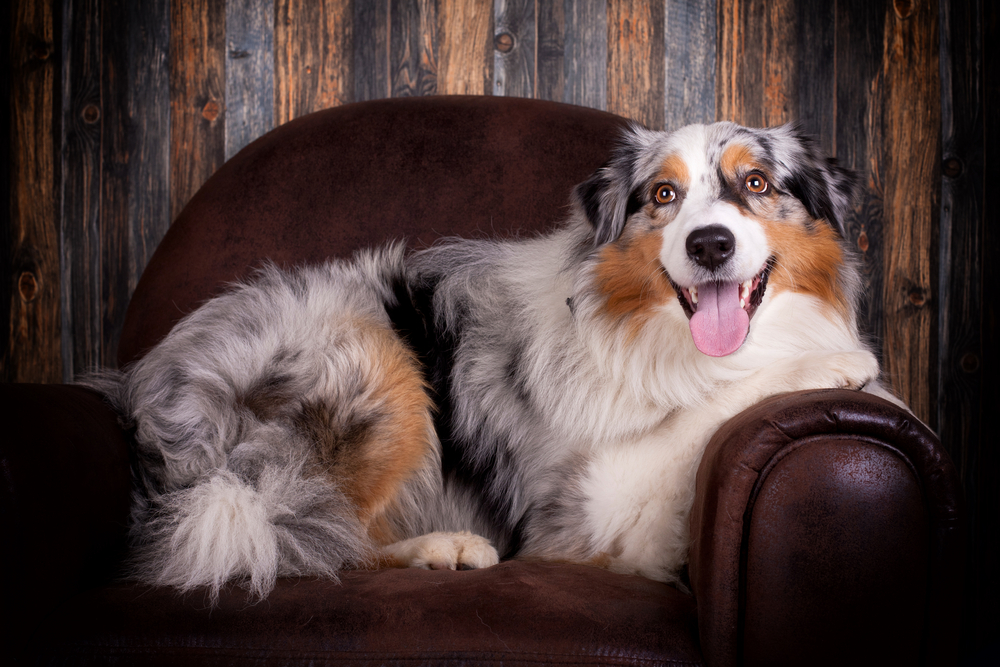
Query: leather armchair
826,527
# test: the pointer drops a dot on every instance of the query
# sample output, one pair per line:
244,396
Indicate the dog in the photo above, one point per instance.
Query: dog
543,398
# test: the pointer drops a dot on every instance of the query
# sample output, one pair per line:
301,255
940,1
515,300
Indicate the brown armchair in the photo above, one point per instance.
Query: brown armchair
826,525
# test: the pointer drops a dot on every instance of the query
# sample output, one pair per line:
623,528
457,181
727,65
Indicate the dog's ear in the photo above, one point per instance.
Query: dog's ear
827,190
610,195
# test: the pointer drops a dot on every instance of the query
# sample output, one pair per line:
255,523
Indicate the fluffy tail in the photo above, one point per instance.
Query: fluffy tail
266,513
226,528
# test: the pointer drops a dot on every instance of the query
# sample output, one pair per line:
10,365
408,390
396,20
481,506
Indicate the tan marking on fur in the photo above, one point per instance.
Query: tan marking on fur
807,262
736,158
630,276
674,170
371,460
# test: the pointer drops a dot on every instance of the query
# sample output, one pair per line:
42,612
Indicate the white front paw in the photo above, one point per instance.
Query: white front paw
840,370
444,551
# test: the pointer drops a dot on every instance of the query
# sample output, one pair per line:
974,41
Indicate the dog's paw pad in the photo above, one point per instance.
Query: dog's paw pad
444,551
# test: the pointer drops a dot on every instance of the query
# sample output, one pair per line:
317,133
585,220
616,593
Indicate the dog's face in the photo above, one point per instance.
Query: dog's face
717,216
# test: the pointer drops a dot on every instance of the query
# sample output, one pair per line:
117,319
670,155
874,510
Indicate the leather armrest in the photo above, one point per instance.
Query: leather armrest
64,500
826,529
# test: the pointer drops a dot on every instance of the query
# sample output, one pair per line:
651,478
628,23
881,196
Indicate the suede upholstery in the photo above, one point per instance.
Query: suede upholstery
826,526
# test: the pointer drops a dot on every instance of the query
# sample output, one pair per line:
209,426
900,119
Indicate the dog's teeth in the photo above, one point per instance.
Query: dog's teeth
745,292
694,294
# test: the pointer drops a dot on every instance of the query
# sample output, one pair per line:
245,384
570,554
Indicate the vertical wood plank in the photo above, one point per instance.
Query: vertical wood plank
816,87
413,47
371,50
690,33
636,55
911,154
32,350
514,42
465,47
959,280
313,50
249,71
135,211
82,149
550,76
586,49
860,25
758,62
197,96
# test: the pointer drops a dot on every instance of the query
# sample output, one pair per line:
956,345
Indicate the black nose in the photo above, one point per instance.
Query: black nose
711,246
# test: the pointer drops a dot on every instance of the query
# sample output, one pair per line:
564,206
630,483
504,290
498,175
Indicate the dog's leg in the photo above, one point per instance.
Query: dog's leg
442,551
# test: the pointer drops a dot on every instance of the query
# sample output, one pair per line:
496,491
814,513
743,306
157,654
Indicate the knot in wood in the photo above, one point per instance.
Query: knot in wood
27,286
904,8
917,295
504,42
210,111
969,362
91,114
952,167
863,242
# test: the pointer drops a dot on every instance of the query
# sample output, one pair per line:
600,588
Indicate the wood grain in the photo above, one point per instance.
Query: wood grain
32,350
636,55
859,37
550,50
465,47
82,151
370,36
690,65
586,48
910,137
135,211
758,58
249,71
413,47
197,96
514,48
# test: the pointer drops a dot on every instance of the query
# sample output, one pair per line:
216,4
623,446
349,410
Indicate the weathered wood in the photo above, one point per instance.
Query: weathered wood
514,48
413,47
858,37
550,50
135,211
197,96
370,36
586,48
816,87
313,49
959,281
758,62
690,33
249,71
465,47
80,260
636,55
32,350
910,140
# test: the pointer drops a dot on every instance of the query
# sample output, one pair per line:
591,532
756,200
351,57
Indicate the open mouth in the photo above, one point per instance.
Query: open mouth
719,312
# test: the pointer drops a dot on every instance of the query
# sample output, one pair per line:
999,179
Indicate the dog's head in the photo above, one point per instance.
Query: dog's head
717,215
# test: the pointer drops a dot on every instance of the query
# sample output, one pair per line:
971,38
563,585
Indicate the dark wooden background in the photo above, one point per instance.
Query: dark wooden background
120,109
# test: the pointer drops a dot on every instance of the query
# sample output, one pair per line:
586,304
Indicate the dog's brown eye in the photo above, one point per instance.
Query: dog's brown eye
756,184
665,193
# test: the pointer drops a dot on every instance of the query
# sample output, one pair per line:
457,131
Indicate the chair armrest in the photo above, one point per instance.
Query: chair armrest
826,529
65,495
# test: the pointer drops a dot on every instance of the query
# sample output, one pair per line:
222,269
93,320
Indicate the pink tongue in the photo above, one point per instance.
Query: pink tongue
719,326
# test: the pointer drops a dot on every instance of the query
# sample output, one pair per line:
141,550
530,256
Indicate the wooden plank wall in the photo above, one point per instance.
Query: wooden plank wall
120,109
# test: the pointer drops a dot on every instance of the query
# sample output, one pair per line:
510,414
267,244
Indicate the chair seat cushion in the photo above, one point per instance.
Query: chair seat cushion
514,613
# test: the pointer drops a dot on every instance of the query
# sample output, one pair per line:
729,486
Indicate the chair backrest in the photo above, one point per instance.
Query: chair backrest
362,174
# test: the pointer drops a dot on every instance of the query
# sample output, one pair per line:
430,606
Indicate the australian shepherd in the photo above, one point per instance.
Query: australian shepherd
546,397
